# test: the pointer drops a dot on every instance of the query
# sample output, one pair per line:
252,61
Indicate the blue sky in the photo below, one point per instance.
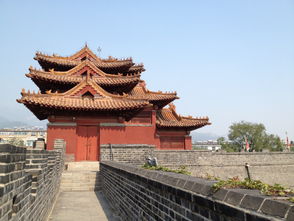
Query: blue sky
229,60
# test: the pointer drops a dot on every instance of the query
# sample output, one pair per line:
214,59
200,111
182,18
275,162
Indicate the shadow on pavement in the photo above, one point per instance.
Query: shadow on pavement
110,214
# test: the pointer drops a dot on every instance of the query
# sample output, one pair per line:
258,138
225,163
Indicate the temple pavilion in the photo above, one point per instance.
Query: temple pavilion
90,101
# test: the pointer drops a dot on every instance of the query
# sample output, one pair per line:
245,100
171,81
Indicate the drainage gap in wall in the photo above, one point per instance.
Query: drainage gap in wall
15,205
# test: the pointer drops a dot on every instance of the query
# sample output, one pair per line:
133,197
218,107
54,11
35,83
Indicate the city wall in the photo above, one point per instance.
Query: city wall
270,167
141,194
135,154
29,182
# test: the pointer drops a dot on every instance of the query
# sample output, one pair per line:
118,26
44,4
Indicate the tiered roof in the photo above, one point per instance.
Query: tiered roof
87,97
168,118
64,80
110,65
160,99
83,83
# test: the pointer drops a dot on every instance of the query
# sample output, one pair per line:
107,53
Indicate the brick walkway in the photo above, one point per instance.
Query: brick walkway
82,206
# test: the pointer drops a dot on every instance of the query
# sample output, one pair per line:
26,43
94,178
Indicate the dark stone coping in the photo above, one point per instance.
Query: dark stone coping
127,146
10,149
254,204
7,148
224,153
183,151
124,125
37,151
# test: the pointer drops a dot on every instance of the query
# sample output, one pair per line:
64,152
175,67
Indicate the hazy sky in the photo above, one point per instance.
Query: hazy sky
229,60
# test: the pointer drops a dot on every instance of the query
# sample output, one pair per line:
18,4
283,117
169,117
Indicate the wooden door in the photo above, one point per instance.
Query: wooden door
87,143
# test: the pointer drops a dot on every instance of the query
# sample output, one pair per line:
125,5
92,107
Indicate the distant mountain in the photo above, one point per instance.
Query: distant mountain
5,123
196,136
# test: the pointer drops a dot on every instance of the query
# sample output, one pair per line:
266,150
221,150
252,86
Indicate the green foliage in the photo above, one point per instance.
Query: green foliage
181,169
274,143
16,142
220,140
210,177
256,135
271,190
229,147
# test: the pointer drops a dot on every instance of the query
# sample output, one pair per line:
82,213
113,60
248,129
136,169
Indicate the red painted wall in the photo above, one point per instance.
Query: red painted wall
127,135
174,139
68,133
140,130
188,142
144,133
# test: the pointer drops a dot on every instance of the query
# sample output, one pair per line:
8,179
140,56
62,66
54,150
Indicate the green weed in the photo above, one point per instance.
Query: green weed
181,169
270,190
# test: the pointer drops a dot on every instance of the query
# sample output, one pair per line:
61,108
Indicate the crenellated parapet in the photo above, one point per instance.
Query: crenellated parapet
142,194
29,182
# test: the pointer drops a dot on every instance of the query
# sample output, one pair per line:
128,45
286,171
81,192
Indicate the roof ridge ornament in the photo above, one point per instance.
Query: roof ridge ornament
99,49
172,106
23,92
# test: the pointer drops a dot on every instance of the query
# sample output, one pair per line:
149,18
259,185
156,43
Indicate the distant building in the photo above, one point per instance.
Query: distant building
27,136
207,145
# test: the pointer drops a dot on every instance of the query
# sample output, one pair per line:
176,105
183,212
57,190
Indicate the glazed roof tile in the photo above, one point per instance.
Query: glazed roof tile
70,62
74,75
141,92
168,118
73,99
85,52
136,69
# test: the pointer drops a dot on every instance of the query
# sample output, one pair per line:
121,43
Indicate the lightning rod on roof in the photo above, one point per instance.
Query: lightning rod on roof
99,49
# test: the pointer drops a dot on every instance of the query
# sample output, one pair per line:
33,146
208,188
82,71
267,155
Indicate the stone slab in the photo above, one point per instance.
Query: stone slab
86,206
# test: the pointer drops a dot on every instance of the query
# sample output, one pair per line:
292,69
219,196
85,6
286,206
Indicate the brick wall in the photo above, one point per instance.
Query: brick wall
272,167
139,194
29,182
126,153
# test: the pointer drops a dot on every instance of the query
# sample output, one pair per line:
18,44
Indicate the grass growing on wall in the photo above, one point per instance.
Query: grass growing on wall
181,169
270,190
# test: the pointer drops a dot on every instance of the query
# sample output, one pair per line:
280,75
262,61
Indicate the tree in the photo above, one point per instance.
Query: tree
225,145
256,136
220,140
274,143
